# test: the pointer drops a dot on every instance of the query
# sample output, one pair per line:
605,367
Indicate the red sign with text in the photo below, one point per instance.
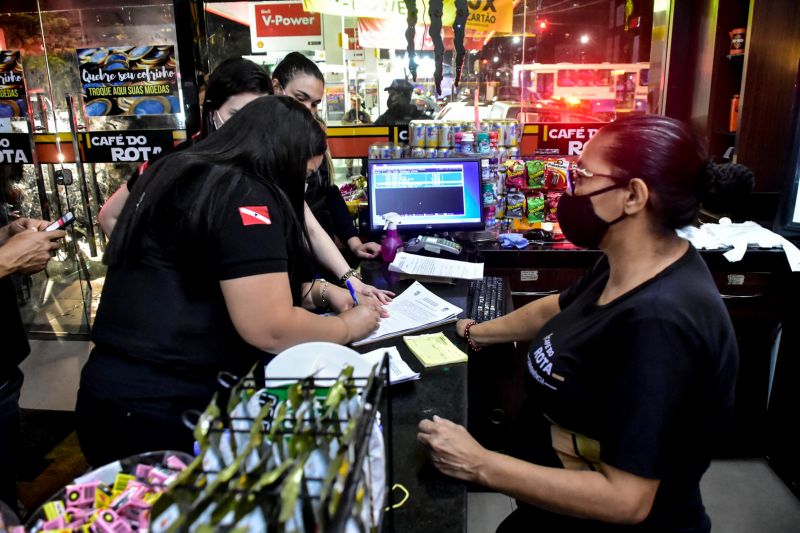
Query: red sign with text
286,20
352,39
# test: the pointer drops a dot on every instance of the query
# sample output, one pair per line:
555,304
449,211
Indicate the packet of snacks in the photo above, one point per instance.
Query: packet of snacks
516,177
535,173
536,207
551,206
500,208
555,172
515,205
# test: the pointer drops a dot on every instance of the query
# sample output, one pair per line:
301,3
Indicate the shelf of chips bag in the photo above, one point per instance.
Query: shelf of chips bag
302,456
524,193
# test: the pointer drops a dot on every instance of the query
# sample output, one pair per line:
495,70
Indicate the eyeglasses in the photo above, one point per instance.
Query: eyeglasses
576,174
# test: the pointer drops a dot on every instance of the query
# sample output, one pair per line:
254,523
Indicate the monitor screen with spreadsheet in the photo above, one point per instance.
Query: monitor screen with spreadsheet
430,195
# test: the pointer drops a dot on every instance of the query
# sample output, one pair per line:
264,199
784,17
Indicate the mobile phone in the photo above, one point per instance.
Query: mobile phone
62,222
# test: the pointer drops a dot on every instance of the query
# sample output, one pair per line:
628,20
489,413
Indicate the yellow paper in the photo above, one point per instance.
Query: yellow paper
435,350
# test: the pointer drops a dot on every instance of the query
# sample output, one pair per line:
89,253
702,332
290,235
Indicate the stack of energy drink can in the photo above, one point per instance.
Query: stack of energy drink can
388,151
436,138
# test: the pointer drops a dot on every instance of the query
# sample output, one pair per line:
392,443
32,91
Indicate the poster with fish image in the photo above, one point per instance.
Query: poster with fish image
129,80
13,103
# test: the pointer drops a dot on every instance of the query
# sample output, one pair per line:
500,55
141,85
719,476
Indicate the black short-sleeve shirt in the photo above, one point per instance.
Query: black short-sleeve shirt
330,210
163,318
650,376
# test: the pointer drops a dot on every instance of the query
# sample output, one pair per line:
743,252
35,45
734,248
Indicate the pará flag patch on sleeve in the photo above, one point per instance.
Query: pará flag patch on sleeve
254,214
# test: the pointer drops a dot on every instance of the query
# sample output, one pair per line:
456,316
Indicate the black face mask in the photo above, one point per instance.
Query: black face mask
580,224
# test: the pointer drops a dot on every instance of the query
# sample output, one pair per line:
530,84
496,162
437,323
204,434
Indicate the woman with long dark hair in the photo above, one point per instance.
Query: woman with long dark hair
208,270
234,83
631,371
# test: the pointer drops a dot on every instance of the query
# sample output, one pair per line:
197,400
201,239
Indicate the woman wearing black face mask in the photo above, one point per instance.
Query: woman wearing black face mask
576,214
631,371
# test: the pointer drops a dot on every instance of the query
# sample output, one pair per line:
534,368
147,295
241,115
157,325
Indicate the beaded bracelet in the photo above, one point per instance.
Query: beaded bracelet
472,345
323,296
346,275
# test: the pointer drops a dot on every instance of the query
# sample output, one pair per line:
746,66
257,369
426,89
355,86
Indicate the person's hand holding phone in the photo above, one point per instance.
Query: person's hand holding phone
19,225
28,250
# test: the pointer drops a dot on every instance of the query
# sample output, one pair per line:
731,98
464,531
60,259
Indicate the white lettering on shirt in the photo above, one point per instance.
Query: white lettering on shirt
540,362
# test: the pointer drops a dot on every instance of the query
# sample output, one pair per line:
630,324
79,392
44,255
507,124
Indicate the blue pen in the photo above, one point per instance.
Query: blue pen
352,291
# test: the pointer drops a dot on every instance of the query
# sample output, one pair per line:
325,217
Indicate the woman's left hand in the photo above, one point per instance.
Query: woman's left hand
367,250
383,296
453,450
341,300
22,224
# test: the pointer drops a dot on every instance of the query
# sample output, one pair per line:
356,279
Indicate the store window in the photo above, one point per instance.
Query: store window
97,82
537,61
554,54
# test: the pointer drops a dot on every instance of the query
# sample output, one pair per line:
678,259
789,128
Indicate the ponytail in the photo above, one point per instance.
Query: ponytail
725,186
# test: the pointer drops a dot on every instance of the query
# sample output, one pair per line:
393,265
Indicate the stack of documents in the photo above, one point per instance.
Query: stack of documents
399,371
415,309
435,350
417,265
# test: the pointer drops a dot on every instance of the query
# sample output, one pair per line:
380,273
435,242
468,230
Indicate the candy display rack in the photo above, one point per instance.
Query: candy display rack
239,493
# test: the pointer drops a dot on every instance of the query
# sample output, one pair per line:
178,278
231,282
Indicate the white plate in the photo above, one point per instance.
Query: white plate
322,359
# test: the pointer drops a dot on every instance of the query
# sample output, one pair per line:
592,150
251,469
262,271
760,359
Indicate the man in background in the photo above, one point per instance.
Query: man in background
400,109
356,114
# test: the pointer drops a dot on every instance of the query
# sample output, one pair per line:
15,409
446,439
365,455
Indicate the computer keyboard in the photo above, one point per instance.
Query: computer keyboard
487,298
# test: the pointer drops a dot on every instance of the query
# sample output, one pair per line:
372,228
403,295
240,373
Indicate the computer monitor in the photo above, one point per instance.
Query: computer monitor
430,195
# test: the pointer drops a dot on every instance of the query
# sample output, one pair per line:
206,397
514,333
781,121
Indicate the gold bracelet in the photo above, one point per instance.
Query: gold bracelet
323,296
346,275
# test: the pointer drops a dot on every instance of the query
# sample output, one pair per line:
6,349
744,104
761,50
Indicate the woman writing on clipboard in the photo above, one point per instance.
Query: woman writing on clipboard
208,270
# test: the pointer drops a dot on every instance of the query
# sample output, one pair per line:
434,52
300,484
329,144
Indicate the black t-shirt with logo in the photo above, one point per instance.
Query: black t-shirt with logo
162,328
650,376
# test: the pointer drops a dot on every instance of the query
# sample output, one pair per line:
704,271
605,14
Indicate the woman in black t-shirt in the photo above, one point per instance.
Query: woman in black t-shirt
207,272
631,371
234,83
